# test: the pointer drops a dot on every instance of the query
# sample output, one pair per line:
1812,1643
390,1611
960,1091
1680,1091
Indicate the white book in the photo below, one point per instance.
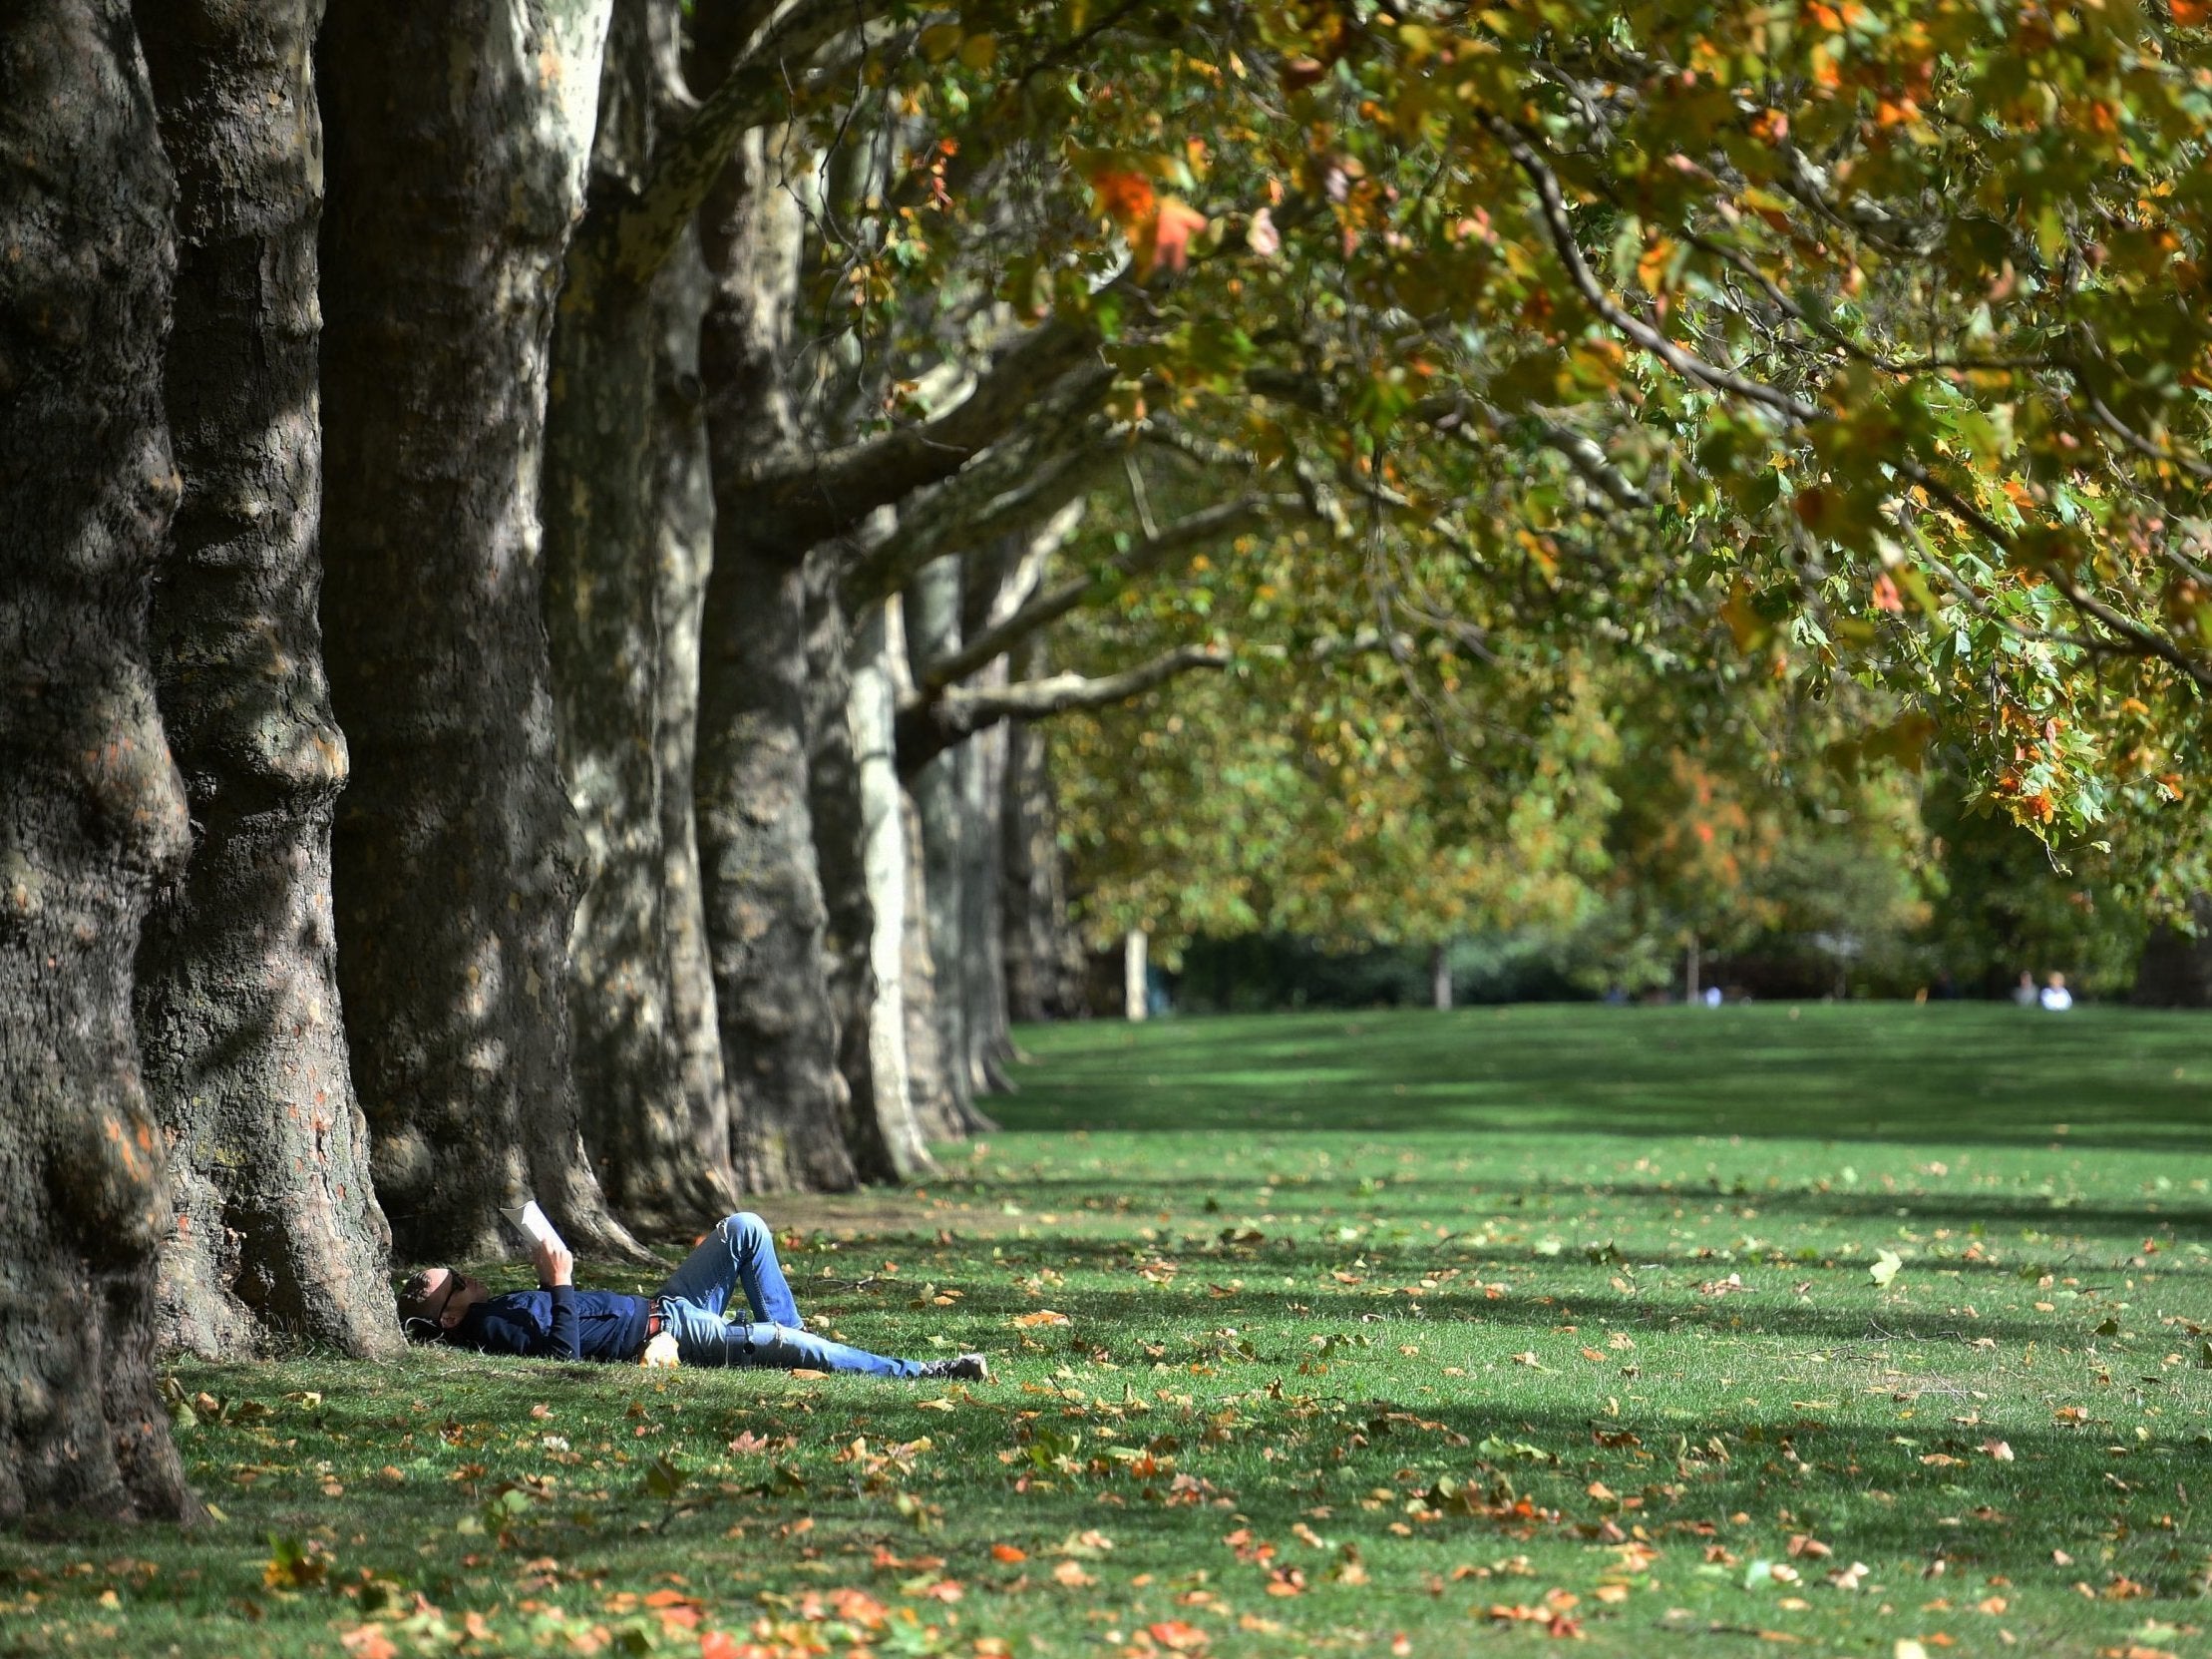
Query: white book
530,1222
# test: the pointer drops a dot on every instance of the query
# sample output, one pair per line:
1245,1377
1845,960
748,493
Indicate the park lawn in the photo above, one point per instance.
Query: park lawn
1391,1333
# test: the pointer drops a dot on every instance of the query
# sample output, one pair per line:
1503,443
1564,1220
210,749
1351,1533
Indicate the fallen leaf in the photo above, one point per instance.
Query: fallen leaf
1044,1315
1178,1637
1072,1574
1008,1554
1882,1272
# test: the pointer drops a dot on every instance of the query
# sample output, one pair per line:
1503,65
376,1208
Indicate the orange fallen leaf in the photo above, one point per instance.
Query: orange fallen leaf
1008,1554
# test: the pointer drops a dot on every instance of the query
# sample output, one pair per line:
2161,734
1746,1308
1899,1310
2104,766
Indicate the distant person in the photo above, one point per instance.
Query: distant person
1712,995
2056,997
2025,993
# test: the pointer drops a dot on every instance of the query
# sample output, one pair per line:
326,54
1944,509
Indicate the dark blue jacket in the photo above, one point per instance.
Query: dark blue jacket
559,1323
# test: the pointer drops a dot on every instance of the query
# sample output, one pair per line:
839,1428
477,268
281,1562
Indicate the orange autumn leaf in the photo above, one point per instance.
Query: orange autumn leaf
1167,242
1126,197
1177,1636
368,1642
1008,1554
1886,596
1044,1315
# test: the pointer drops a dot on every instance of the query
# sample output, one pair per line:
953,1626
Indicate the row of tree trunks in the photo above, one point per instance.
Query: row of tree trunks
93,813
277,1230
448,218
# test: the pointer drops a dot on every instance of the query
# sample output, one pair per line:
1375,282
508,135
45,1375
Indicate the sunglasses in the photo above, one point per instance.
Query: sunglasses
454,1281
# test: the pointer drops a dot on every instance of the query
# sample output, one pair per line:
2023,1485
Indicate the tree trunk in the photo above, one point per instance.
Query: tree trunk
603,625
983,900
459,135
886,1141
1043,959
1690,965
932,616
763,894
94,813
684,536
884,864
1136,1002
1440,977
2175,969
278,1234
938,1102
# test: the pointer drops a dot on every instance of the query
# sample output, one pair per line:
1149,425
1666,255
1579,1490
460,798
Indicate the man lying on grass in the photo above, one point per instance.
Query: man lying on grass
681,1324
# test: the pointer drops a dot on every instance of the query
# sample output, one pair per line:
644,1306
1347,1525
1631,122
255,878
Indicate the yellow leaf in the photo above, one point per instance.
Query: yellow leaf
939,41
979,52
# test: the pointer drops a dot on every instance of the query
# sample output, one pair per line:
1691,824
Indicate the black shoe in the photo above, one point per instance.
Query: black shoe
968,1368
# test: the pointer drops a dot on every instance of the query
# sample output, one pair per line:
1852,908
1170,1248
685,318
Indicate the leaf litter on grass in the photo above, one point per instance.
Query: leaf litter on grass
1375,1389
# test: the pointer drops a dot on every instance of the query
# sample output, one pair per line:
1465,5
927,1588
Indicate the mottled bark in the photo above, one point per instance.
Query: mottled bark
458,136
982,879
841,861
602,623
938,1101
932,612
91,809
884,855
2175,969
766,921
277,1235
684,538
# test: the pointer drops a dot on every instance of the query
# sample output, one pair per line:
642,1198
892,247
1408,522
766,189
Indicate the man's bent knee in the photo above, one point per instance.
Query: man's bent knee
743,1222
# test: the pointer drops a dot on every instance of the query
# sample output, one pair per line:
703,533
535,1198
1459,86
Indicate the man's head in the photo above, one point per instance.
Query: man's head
433,1301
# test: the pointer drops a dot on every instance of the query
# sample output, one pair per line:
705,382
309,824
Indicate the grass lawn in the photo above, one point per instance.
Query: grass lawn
1829,1330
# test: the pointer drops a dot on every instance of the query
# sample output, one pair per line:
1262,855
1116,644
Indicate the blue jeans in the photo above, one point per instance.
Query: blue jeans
741,1254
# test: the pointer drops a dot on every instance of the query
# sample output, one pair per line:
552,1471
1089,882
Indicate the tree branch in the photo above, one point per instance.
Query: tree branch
1680,359
926,729
792,504
1009,489
1146,555
756,88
